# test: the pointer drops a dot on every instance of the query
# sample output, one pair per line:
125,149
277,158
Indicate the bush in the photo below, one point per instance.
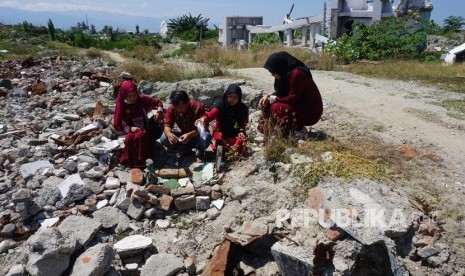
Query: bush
185,49
93,52
389,37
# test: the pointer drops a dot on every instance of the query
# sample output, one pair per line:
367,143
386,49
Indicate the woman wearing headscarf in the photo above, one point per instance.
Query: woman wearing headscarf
131,117
296,101
231,116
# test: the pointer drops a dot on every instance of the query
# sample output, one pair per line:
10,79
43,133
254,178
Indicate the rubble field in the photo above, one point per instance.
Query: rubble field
67,208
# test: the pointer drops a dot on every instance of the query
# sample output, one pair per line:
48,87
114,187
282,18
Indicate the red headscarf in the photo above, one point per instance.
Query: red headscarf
126,112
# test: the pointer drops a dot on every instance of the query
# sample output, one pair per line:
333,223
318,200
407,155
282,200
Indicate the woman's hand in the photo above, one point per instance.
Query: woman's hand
135,129
264,102
172,138
200,120
184,139
158,117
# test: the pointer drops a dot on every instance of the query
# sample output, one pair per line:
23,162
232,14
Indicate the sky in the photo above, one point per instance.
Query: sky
149,13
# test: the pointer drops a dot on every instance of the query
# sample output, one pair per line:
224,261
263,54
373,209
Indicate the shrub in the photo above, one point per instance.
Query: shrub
93,52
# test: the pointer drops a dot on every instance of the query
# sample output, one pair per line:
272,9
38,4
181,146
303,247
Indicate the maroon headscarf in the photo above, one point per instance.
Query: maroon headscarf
126,112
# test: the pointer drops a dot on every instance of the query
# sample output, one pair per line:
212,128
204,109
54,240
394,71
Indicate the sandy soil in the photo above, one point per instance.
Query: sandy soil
405,112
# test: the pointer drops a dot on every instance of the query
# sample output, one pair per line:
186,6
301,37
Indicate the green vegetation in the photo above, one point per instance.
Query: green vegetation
453,23
190,28
390,37
450,78
456,108
260,40
121,235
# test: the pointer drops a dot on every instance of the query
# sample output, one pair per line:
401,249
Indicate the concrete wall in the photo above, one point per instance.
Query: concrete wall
235,29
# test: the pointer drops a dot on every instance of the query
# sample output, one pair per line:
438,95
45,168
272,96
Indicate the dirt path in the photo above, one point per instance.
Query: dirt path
400,112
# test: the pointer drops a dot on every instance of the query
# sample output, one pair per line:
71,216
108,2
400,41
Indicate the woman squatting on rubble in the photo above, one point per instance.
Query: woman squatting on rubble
296,101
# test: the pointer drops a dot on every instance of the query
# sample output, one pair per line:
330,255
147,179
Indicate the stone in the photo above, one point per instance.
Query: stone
291,259
112,183
123,177
95,261
150,213
185,202
93,174
213,213
101,204
157,189
216,195
254,228
187,190
86,129
16,270
163,223
218,203
65,185
238,193
49,222
427,251
8,230
49,252
189,264
202,202
29,169
131,267
71,166
110,217
6,245
133,244
316,197
135,210
79,228
162,264
165,202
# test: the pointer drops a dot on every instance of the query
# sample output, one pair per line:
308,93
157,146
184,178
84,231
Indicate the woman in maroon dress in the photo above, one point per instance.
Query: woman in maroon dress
131,118
296,101
231,116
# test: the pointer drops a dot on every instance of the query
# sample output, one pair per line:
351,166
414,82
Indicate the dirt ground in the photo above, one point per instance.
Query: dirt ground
404,123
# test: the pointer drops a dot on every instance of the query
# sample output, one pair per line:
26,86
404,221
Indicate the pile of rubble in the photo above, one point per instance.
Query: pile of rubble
66,208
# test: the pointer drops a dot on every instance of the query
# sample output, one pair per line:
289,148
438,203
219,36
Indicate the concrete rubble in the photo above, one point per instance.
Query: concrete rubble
66,209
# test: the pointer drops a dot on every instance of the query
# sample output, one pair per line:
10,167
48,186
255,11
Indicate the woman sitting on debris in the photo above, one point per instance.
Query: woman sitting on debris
140,117
231,116
296,101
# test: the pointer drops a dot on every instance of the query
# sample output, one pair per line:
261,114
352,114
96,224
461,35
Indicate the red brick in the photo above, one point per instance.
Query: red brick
136,176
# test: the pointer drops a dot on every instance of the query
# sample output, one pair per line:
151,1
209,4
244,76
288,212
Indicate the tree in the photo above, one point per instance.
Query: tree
137,29
51,29
188,27
454,23
92,29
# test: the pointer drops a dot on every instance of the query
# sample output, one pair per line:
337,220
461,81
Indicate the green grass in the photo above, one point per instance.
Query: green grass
456,108
169,72
342,162
450,78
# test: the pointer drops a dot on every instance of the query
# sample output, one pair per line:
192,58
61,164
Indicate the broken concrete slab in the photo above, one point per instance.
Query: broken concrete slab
95,261
292,259
79,228
162,264
133,244
49,252
29,169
